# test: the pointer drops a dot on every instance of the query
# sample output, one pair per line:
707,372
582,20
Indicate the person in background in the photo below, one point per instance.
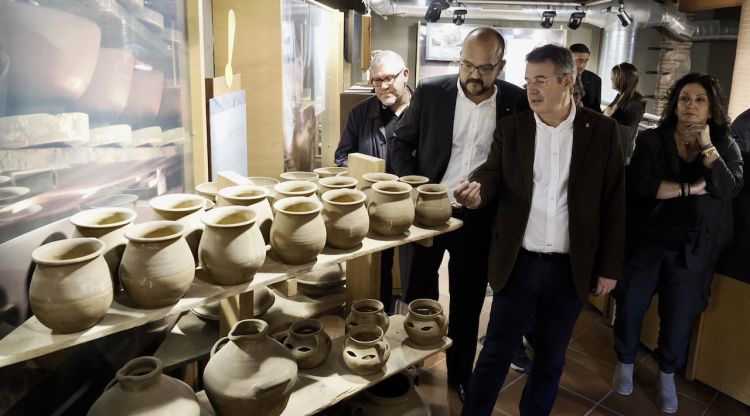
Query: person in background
578,92
628,106
592,84
741,129
681,177
368,127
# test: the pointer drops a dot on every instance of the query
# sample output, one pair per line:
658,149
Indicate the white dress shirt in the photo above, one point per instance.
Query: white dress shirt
547,228
473,126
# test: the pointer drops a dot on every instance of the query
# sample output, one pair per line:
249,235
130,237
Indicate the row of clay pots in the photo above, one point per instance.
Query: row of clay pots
425,322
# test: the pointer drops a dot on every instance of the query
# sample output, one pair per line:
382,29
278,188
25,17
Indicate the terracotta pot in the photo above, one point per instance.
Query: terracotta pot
345,217
308,343
231,248
299,176
366,351
185,209
368,179
207,190
414,181
298,233
144,98
108,225
71,289
395,395
391,208
433,207
367,312
296,188
107,94
253,196
140,388
336,182
425,323
157,267
249,370
322,281
330,171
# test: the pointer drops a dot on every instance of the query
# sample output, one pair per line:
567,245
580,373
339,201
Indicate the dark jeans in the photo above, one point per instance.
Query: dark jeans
542,286
468,248
682,297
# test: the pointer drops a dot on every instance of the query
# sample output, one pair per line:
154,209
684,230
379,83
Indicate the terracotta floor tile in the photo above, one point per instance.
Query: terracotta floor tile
596,342
589,317
603,411
587,376
443,400
730,406
643,402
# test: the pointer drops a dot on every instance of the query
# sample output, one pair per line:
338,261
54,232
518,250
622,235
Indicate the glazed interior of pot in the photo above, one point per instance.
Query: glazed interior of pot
77,251
346,198
394,386
249,194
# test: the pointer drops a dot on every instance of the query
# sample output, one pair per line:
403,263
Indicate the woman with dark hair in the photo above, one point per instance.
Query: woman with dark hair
628,106
679,182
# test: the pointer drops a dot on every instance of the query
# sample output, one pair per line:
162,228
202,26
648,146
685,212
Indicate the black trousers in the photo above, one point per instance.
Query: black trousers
541,286
683,295
468,248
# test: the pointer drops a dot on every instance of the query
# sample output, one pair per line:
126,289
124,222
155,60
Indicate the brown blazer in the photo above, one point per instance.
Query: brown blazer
596,196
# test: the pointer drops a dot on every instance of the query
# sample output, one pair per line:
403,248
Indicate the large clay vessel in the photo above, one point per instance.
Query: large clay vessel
393,396
368,179
157,267
391,208
336,182
185,209
331,171
140,388
433,207
415,181
346,218
71,288
366,351
232,248
249,372
308,343
108,225
298,233
425,323
253,196
367,312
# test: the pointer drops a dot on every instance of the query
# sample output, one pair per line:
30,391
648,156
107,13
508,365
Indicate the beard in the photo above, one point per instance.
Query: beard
389,100
484,89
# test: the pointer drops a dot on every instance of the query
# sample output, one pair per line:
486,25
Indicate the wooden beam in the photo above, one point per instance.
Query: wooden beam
196,35
698,5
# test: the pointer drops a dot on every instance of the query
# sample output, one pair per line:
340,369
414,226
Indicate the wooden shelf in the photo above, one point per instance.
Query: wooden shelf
332,382
32,339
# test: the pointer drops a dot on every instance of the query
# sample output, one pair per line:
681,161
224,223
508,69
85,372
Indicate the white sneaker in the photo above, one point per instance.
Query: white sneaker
667,393
622,381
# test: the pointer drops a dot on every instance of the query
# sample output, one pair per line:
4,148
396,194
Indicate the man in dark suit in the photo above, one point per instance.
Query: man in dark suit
445,134
592,84
557,176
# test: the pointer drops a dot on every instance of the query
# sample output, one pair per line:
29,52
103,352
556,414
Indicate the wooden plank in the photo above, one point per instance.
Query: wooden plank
699,5
233,309
198,118
287,287
360,163
362,278
331,128
366,41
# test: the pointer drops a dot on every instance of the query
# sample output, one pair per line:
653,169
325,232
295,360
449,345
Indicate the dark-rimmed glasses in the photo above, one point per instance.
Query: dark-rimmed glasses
388,79
539,81
482,69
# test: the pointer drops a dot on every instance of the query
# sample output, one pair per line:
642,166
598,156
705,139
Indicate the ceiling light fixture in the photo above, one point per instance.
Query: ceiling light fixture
548,18
624,17
459,13
575,20
434,9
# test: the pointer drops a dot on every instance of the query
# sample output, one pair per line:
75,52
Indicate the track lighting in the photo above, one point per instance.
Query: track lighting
575,20
548,18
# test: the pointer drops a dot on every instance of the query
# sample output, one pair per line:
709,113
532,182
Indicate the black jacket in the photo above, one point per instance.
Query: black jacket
628,115
363,133
592,85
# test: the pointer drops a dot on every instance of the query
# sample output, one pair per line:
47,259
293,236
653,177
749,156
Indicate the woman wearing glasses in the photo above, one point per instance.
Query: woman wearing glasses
628,106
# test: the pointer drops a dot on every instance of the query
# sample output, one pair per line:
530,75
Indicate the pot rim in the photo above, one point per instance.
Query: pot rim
210,217
406,188
230,192
263,178
282,204
330,169
373,177
328,196
354,331
280,188
78,219
298,175
258,326
414,179
135,364
432,189
136,232
351,181
40,254
208,188
156,203
306,323
427,302
378,305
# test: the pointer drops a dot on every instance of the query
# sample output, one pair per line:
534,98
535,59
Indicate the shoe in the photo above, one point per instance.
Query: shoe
622,381
667,393
460,389
521,362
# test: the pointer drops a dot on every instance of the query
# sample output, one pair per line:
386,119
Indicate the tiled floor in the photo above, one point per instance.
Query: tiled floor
585,386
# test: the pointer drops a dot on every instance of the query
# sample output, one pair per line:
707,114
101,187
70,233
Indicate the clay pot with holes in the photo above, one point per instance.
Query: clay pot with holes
366,351
367,312
308,343
298,233
391,208
425,324
345,217
433,207
108,225
251,196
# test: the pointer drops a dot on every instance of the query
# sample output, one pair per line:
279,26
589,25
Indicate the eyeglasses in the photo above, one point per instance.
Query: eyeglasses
482,69
539,82
388,79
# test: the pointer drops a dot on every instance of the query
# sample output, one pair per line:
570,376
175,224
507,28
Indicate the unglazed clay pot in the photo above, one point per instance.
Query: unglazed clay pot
267,183
345,217
330,171
336,182
185,209
425,323
231,248
367,312
249,372
207,190
433,207
414,181
296,188
71,288
393,396
308,343
263,299
157,267
140,388
108,225
298,233
253,196
391,208
299,176
368,179
323,281
366,351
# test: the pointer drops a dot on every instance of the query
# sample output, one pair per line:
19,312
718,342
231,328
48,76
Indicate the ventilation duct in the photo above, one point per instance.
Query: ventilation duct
381,7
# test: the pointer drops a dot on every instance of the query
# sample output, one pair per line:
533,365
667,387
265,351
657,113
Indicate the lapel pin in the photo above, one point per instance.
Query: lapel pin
587,125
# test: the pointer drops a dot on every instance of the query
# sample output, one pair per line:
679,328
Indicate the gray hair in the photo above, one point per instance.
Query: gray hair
559,56
387,58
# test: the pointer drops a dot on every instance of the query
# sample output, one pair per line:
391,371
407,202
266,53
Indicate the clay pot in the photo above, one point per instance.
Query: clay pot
368,179
249,370
108,91
391,208
330,171
71,289
207,190
144,98
252,196
308,343
367,312
336,182
322,281
108,225
231,248
366,351
395,395
140,388
263,299
296,188
185,209
433,207
299,176
298,233
345,217
425,323
157,266
263,181
414,181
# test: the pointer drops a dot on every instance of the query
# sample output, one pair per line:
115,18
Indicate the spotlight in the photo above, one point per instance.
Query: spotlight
575,20
434,9
548,18
459,14
625,19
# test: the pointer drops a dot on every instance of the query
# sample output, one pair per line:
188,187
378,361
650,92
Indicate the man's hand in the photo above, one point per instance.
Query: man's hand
604,286
467,194
698,187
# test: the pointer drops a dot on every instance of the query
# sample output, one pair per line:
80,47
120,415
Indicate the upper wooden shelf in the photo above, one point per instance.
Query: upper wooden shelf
32,339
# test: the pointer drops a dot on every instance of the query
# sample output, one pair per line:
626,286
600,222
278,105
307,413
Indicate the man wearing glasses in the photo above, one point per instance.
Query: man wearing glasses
557,174
445,134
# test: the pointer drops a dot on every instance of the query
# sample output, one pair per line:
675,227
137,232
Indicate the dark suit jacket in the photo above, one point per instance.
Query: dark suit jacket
628,115
424,137
592,85
363,133
596,196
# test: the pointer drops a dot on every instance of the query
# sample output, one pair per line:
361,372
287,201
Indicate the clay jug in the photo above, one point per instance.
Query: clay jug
367,312
345,217
249,372
331,171
207,190
366,351
140,388
308,343
336,182
253,196
299,176
298,233
391,208
71,289
433,207
296,188
414,181
157,266
425,324
232,247
368,179
395,395
185,209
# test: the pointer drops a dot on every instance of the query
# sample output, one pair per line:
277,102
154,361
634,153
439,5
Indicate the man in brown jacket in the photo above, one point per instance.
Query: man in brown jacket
557,173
